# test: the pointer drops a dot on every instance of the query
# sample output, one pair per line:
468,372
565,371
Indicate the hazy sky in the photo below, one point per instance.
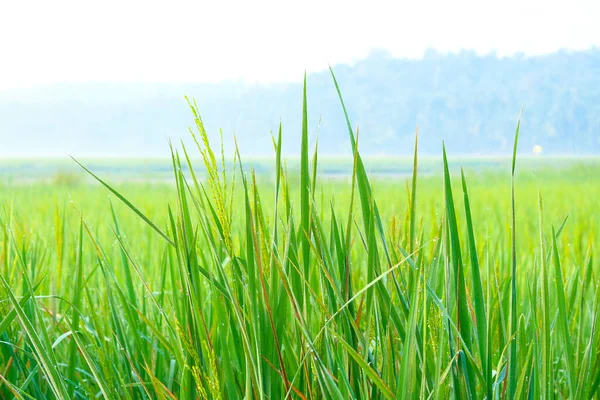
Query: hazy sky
262,40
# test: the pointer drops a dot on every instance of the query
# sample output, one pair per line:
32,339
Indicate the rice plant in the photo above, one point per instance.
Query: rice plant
227,284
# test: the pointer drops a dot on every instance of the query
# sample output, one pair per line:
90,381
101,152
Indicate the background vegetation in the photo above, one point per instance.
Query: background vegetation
469,100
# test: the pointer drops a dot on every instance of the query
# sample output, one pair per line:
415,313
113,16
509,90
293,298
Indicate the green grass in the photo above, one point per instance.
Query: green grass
224,282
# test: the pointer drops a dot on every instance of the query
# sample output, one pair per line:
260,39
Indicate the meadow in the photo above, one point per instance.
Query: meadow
218,281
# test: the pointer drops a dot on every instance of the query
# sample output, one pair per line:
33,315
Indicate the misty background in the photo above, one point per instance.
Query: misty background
108,79
470,101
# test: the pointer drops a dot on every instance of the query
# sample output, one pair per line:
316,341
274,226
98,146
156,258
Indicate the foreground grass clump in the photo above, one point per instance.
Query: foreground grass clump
230,286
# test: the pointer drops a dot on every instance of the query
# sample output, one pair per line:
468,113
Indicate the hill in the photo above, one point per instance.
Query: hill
470,101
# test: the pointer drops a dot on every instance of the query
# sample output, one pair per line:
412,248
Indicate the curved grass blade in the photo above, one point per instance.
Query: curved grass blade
43,351
128,204
478,300
512,355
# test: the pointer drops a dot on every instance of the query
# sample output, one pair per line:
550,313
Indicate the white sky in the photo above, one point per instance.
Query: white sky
262,40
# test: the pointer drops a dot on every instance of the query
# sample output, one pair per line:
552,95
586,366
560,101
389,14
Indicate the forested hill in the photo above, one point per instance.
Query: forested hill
472,102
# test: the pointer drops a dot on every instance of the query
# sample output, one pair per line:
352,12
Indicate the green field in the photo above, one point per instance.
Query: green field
299,282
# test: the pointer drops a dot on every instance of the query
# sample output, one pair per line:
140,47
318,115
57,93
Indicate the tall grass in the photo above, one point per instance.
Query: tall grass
239,290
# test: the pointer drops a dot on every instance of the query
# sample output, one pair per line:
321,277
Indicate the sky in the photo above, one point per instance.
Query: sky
45,42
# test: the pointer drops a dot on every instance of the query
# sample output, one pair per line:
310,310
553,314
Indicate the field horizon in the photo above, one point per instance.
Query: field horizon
147,169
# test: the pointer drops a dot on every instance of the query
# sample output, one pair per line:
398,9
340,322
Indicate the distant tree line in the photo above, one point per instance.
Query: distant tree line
471,102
